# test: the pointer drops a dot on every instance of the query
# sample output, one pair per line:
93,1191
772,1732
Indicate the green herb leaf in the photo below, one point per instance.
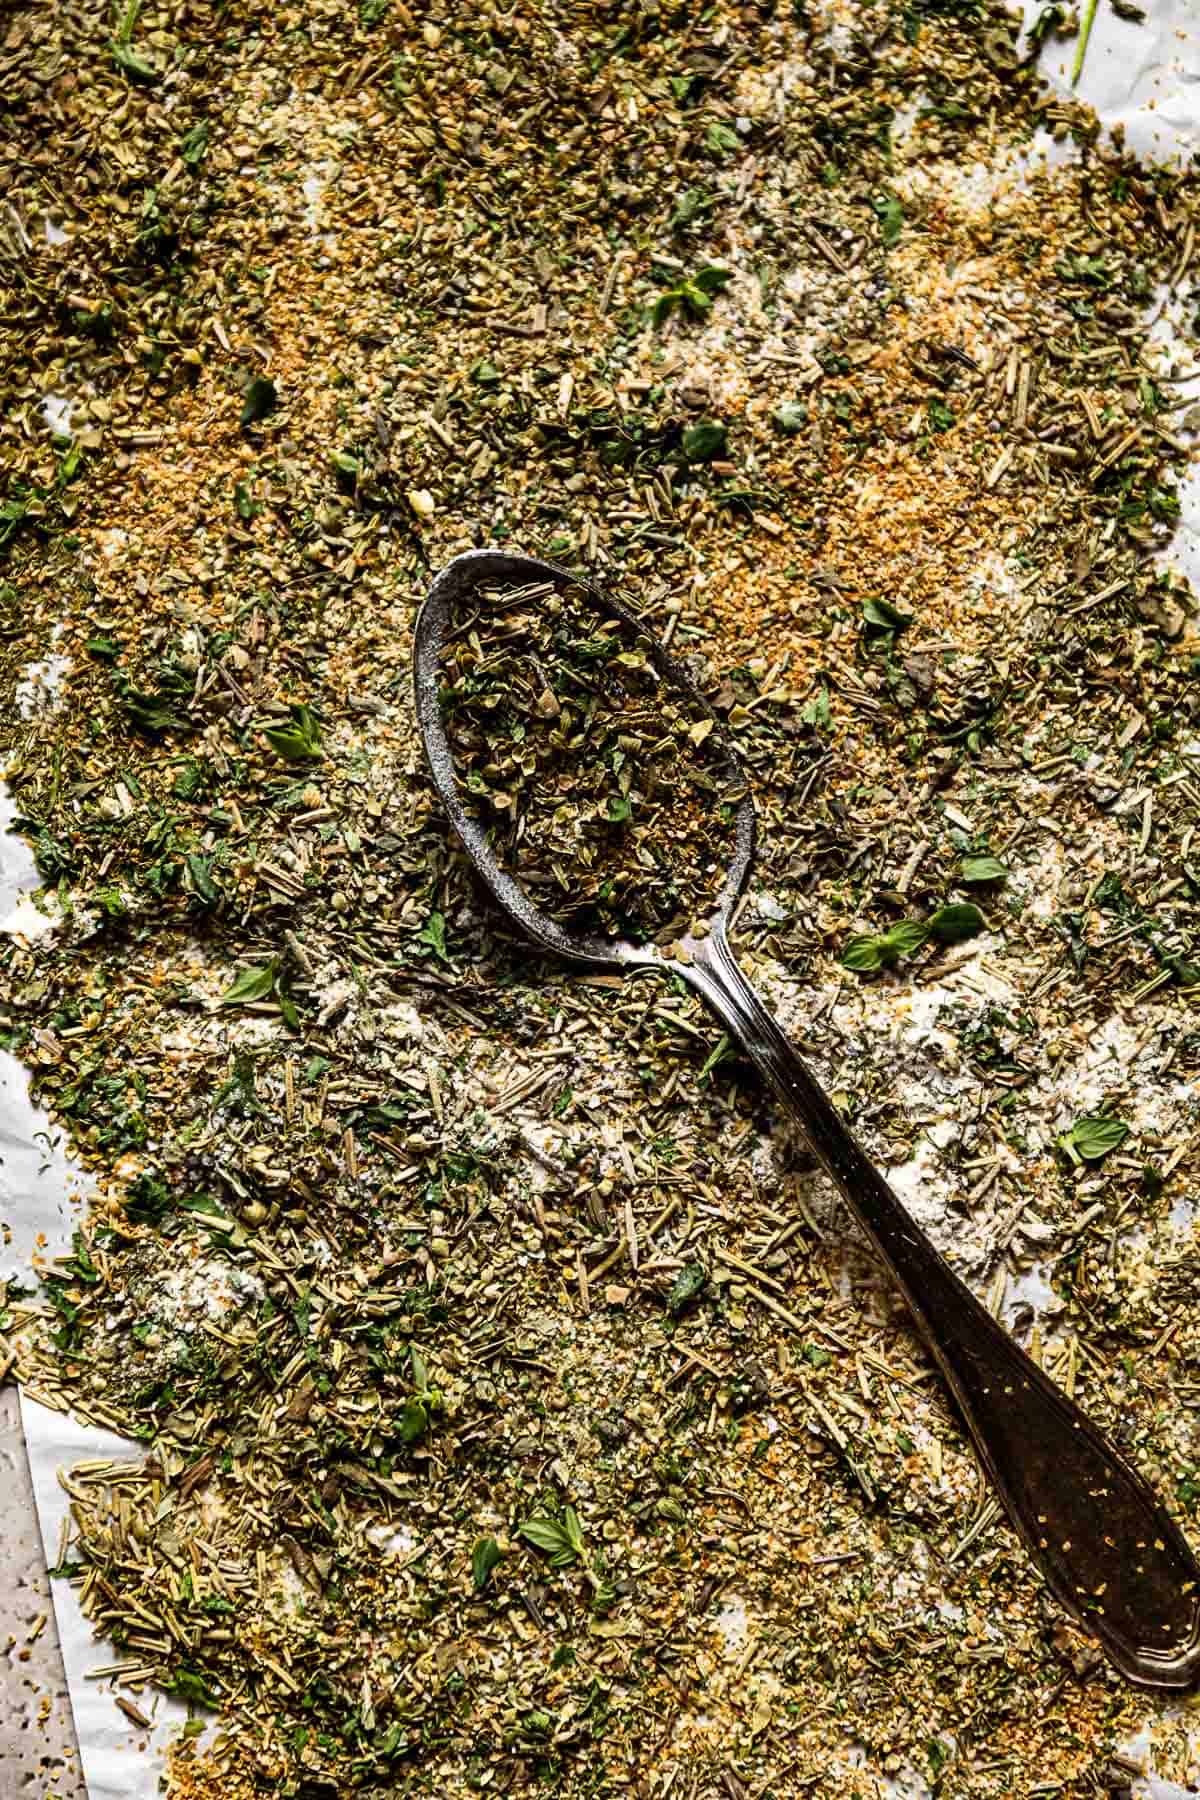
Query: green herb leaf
904,939
955,924
573,1529
1097,1136
890,213
203,1204
413,1422
619,809
715,1056
884,615
186,1684
711,278
703,442
136,67
816,712
433,933
688,1283
1085,32
242,500
151,713
692,202
722,140
983,868
1049,19
298,742
552,1536
193,146
199,874
259,399
251,984
148,1200
863,954
484,1557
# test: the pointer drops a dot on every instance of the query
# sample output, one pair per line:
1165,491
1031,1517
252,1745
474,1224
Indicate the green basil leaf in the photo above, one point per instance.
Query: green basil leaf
906,938
198,868
885,615
890,213
712,278
547,1534
484,1557
298,741
983,868
1096,1137
433,933
863,954
251,984
955,924
721,139
135,66
413,1422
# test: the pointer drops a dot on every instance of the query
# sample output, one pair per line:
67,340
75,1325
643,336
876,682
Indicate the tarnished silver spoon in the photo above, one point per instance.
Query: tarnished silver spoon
1109,1551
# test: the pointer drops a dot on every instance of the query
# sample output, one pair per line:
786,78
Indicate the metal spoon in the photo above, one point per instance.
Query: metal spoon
1109,1551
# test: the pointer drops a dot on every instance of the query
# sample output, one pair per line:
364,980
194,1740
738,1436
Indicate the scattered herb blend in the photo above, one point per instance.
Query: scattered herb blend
510,1409
603,789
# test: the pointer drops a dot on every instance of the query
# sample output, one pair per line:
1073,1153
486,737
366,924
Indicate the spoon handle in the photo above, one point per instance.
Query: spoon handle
1108,1549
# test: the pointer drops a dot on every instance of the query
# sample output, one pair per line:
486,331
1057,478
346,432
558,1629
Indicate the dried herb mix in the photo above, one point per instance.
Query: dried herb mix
397,1247
602,788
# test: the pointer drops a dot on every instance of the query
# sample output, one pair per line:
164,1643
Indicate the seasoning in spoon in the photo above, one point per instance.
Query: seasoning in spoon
602,788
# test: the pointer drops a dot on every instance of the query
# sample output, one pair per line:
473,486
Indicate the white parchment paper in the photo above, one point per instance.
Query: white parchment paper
1145,77
121,1761
41,1197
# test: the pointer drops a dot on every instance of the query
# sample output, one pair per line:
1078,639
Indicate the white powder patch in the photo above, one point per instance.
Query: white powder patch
56,411
313,187
920,1187
1105,1063
763,91
1029,1290
1037,884
204,1288
393,1540
906,116
974,190
733,1624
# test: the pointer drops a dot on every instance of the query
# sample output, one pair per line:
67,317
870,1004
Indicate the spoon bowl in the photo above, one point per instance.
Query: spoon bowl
456,584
